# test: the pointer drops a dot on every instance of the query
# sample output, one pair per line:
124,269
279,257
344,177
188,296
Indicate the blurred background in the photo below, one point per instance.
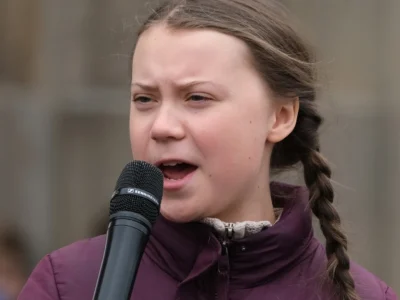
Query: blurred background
64,105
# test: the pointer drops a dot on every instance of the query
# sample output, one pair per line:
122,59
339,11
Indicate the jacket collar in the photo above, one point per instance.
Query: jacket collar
187,250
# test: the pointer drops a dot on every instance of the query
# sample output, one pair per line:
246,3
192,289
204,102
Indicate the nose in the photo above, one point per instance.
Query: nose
167,126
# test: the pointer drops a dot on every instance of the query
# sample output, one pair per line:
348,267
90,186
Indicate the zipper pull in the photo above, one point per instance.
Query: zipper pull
229,231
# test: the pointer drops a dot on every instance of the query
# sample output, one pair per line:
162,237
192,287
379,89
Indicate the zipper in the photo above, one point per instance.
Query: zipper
229,231
225,242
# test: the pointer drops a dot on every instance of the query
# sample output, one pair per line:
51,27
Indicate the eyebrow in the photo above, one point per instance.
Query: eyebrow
185,85
144,86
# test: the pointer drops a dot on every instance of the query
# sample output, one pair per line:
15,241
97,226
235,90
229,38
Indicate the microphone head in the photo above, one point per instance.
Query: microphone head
142,178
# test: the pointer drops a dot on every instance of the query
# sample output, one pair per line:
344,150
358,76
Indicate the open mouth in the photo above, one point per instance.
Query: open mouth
176,170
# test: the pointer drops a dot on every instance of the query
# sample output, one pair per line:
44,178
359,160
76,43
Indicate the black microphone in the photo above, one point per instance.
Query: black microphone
134,208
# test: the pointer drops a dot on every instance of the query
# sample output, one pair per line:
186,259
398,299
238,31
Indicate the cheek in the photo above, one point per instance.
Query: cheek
233,145
139,136
235,132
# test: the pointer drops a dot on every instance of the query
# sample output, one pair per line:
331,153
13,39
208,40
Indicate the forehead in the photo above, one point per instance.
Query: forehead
161,50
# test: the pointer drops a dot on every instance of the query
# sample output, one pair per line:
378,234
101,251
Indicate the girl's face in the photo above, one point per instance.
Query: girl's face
203,115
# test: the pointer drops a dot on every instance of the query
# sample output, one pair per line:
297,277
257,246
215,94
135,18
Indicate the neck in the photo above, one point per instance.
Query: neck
255,205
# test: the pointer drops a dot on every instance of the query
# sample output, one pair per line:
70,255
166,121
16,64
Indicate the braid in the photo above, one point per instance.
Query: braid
317,176
302,145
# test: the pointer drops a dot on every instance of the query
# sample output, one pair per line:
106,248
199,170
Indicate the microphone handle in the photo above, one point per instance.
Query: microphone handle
127,236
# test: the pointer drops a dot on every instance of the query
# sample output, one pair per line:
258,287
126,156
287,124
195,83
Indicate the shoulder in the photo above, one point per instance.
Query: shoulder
66,273
77,265
70,258
71,273
369,286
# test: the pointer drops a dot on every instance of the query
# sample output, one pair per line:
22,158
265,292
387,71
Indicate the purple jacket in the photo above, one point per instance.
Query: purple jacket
187,261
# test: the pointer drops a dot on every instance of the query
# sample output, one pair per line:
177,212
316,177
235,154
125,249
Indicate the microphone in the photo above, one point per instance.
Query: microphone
134,208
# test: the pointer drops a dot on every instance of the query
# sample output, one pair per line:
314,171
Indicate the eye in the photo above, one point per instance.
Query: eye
142,99
198,98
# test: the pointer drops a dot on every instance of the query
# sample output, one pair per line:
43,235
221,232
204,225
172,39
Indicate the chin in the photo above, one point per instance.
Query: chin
181,215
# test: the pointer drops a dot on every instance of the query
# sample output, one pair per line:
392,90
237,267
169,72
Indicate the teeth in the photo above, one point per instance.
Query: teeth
170,164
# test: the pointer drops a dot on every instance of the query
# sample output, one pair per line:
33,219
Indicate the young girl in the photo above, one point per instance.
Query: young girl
223,92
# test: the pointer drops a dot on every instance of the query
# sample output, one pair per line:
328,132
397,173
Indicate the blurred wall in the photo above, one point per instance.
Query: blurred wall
64,103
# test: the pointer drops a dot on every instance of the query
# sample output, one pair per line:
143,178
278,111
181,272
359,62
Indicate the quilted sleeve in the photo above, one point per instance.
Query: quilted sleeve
390,295
41,284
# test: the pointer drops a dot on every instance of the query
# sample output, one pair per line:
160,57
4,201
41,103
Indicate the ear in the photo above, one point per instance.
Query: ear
284,119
